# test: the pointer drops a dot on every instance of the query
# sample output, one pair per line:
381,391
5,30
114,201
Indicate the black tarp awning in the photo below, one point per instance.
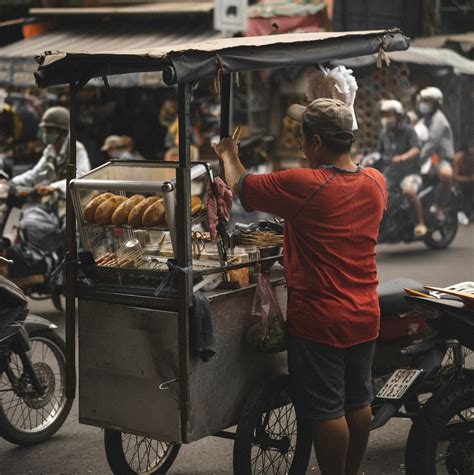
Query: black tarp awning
194,61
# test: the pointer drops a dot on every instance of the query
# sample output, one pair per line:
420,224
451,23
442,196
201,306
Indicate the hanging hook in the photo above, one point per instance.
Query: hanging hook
166,385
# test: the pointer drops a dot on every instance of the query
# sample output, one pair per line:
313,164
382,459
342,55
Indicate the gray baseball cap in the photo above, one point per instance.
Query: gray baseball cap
329,118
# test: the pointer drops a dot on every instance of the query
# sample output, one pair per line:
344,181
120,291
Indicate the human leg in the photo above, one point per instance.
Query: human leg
358,396
445,173
358,423
410,186
317,387
331,441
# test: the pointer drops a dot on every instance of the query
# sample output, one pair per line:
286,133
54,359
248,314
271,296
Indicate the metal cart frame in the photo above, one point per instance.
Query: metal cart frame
183,65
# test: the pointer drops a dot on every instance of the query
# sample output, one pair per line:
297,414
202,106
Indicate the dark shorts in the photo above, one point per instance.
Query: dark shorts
326,381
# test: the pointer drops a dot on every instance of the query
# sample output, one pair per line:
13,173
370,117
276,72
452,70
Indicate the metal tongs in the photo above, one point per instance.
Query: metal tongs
221,230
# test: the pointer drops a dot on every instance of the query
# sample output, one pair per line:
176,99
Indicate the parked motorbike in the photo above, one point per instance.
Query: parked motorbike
399,219
34,264
407,348
441,439
33,404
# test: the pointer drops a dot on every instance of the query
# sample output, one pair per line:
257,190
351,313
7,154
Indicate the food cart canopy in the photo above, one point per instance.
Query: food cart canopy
191,62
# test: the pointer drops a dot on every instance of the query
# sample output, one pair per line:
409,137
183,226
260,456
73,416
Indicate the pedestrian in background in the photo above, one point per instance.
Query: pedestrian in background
439,148
115,148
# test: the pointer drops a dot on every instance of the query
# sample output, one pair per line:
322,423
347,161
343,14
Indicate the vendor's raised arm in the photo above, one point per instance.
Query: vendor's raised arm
326,141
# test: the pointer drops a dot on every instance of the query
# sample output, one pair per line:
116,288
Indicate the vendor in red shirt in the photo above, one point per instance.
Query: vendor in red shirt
332,212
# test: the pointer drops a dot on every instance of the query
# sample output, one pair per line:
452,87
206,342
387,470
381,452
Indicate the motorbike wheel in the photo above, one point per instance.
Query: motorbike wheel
442,437
269,438
26,417
129,454
443,234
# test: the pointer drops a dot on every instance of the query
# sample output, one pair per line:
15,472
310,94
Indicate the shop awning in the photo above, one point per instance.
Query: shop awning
17,60
158,8
465,40
191,62
437,57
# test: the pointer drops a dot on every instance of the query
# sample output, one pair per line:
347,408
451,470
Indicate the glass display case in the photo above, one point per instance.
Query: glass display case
126,212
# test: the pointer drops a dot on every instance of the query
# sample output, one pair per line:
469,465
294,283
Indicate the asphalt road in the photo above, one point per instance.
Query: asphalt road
78,449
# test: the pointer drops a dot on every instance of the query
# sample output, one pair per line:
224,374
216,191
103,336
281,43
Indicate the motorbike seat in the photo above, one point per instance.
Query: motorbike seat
392,295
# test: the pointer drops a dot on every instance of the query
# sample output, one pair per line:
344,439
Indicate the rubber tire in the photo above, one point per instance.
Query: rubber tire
420,452
436,245
254,406
116,458
11,433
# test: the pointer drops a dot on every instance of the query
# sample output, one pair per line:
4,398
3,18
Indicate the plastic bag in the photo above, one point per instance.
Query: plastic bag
335,83
269,334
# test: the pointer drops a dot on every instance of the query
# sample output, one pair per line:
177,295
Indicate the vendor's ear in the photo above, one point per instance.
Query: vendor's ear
317,142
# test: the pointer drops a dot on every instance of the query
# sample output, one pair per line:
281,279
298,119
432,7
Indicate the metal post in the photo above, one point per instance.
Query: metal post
226,86
71,254
226,98
184,248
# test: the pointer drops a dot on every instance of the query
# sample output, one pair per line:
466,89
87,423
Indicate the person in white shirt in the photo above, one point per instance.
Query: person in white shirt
49,174
439,145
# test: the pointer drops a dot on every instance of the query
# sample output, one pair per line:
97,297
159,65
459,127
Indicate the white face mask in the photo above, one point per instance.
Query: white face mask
50,138
388,122
425,108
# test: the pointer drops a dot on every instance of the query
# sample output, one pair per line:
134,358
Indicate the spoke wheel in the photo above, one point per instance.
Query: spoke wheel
269,438
133,454
443,234
441,440
26,416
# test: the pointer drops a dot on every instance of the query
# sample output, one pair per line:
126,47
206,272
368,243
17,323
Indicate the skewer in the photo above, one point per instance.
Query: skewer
237,133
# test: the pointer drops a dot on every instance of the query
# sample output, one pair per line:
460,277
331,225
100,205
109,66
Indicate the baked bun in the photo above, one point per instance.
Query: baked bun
90,209
154,214
104,212
135,216
120,215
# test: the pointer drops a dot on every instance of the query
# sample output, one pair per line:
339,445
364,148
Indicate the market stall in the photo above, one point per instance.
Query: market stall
143,368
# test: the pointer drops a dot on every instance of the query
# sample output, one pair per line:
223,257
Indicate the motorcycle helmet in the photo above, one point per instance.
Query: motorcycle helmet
56,117
388,105
430,94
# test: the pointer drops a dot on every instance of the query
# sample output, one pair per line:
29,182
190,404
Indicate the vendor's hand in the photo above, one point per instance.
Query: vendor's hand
44,190
226,147
397,159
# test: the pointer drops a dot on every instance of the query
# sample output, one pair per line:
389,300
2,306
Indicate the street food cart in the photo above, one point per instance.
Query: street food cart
138,377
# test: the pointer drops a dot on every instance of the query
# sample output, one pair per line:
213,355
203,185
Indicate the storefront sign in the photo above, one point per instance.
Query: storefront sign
230,15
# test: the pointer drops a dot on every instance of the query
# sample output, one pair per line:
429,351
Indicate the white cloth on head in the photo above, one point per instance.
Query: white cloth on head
335,83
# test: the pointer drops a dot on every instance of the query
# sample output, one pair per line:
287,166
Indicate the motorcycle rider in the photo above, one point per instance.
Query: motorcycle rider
440,143
399,145
49,174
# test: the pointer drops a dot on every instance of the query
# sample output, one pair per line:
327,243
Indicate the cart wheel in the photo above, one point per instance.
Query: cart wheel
269,438
130,454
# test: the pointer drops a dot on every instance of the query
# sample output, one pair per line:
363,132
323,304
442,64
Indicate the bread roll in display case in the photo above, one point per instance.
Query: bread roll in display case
131,178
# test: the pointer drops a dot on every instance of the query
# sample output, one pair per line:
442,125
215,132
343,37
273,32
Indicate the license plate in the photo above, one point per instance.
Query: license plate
398,383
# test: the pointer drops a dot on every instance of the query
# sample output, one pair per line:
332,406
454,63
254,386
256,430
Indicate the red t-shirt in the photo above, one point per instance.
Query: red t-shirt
332,219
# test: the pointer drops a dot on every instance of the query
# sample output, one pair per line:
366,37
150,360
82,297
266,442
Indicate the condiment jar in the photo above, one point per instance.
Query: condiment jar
237,256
